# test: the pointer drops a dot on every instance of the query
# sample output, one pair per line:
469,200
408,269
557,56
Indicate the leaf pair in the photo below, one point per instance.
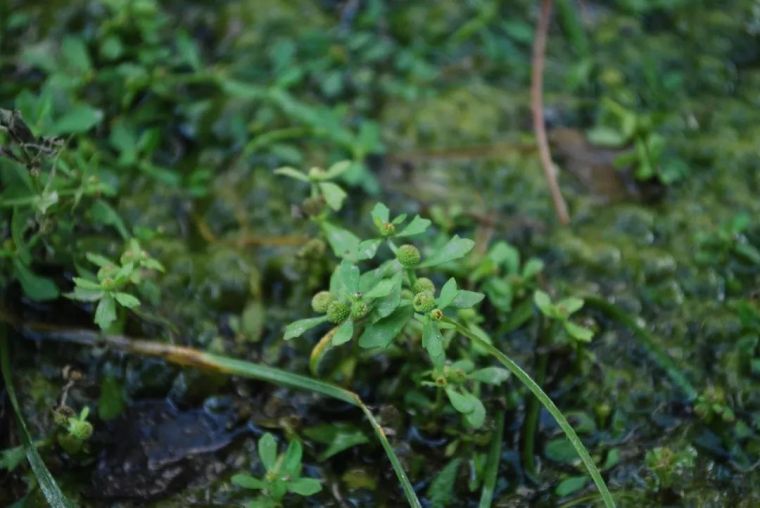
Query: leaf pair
561,311
283,474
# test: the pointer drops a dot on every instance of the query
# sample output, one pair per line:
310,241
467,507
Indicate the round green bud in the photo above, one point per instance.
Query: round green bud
321,301
408,255
407,295
337,312
436,314
359,309
423,284
316,173
387,229
424,302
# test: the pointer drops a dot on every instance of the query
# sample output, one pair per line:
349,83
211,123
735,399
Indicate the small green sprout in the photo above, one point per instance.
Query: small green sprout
75,429
112,280
283,475
712,404
668,466
560,312
322,188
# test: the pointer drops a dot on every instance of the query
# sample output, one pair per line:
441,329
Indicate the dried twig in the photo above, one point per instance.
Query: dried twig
537,106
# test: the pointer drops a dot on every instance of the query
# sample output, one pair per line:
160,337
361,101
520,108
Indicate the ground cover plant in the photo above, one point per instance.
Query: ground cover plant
379,253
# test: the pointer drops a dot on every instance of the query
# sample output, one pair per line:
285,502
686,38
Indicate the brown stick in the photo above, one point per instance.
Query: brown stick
537,106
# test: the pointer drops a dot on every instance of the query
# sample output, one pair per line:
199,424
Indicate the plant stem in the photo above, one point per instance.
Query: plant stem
188,357
547,402
537,105
492,464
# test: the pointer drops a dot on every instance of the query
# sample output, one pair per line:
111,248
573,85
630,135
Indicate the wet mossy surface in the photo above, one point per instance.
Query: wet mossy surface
433,99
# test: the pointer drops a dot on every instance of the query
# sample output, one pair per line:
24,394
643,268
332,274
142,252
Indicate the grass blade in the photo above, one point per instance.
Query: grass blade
547,402
189,357
492,464
47,483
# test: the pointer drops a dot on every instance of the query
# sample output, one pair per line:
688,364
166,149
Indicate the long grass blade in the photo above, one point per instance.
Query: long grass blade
547,402
492,464
232,366
48,485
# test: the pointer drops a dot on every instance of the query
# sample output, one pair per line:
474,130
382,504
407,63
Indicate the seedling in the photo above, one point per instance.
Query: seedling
283,475
112,280
560,313
75,429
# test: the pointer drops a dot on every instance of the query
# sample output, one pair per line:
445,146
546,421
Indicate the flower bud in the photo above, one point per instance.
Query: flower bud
424,302
337,311
408,255
359,309
387,229
423,284
436,314
321,301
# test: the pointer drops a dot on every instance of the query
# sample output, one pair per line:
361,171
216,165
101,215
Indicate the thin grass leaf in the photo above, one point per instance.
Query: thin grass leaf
47,483
492,463
547,402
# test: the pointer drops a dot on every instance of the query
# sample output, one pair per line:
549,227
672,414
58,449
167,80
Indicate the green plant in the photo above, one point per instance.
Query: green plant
668,465
560,313
621,127
395,307
283,475
111,281
75,429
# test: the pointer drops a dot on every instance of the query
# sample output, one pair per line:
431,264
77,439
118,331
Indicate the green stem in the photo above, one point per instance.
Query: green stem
492,464
194,358
547,402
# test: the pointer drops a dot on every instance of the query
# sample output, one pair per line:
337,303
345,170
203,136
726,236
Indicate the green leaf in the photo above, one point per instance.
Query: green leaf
126,300
448,293
440,493
570,485
578,332
561,450
343,242
35,286
74,53
477,417
380,214
334,195
292,173
337,169
344,333
381,333
105,313
382,289
416,227
432,341
532,268
47,484
366,249
268,451
248,482
78,119
544,304
87,284
462,402
570,305
85,295
455,248
291,464
346,281
490,375
304,486
466,299
386,305
297,328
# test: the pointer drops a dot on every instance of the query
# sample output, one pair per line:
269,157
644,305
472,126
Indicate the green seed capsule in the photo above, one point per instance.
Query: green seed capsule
424,302
436,314
408,255
359,309
337,312
321,301
423,284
